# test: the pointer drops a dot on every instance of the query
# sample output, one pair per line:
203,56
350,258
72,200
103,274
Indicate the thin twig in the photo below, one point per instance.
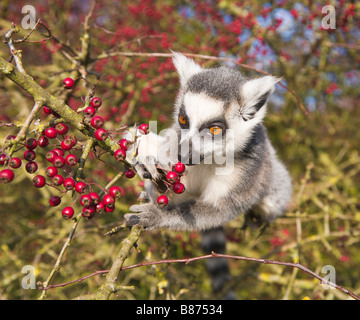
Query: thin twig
22,133
31,31
216,255
16,54
74,281
60,256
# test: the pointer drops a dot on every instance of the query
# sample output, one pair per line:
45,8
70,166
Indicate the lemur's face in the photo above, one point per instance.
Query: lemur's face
204,128
216,110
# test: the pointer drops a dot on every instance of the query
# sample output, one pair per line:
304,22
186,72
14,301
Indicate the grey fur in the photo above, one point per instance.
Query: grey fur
219,83
263,185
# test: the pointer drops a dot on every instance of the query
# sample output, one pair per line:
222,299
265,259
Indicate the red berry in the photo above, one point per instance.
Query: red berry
69,184
50,133
172,176
10,137
15,163
95,102
3,159
120,155
68,213
29,155
109,209
89,111
50,156
66,144
115,191
43,141
95,197
100,207
86,200
61,128
51,171
39,181
55,201
80,187
73,139
30,144
97,122
178,187
108,200
31,167
47,110
162,201
179,167
144,128
59,152
129,173
124,144
68,83
71,159
6,176
58,180
59,162
101,134
88,212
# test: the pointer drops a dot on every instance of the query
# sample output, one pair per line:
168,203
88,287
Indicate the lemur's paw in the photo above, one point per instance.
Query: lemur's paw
136,219
146,216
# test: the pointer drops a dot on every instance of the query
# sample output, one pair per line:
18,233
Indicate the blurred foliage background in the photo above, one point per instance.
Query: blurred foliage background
321,150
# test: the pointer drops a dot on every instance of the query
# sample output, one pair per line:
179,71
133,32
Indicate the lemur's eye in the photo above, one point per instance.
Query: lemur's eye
215,130
182,119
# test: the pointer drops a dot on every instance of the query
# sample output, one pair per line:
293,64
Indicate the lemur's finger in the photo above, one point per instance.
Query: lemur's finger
143,197
137,208
141,219
142,171
131,219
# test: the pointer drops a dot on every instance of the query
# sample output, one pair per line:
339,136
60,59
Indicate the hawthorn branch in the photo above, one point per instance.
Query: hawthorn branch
109,286
57,105
212,255
264,261
70,237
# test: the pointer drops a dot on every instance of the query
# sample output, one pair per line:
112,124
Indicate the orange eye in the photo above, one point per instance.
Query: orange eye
215,130
182,120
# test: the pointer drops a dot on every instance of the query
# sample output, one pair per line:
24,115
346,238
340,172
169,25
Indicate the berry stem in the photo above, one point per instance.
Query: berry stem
86,151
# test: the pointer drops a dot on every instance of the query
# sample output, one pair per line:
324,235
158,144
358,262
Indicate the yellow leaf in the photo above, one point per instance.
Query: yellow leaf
161,285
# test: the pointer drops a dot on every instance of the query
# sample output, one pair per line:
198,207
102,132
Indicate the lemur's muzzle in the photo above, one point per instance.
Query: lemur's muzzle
188,157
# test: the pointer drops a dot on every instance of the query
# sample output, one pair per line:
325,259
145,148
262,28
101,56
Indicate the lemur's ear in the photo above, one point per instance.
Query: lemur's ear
185,67
254,94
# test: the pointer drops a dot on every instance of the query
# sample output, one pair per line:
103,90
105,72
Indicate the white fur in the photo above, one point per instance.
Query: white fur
252,91
186,67
200,108
201,182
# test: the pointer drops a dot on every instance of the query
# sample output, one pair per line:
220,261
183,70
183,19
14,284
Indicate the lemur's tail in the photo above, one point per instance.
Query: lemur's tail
218,268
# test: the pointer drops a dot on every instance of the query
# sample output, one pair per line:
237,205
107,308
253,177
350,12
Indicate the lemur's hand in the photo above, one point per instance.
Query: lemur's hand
147,215
148,154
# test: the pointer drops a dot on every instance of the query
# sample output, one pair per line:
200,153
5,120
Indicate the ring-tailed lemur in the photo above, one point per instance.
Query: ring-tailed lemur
218,122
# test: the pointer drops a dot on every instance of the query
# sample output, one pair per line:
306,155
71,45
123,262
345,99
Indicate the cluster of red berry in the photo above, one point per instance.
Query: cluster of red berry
55,156
92,202
173,183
